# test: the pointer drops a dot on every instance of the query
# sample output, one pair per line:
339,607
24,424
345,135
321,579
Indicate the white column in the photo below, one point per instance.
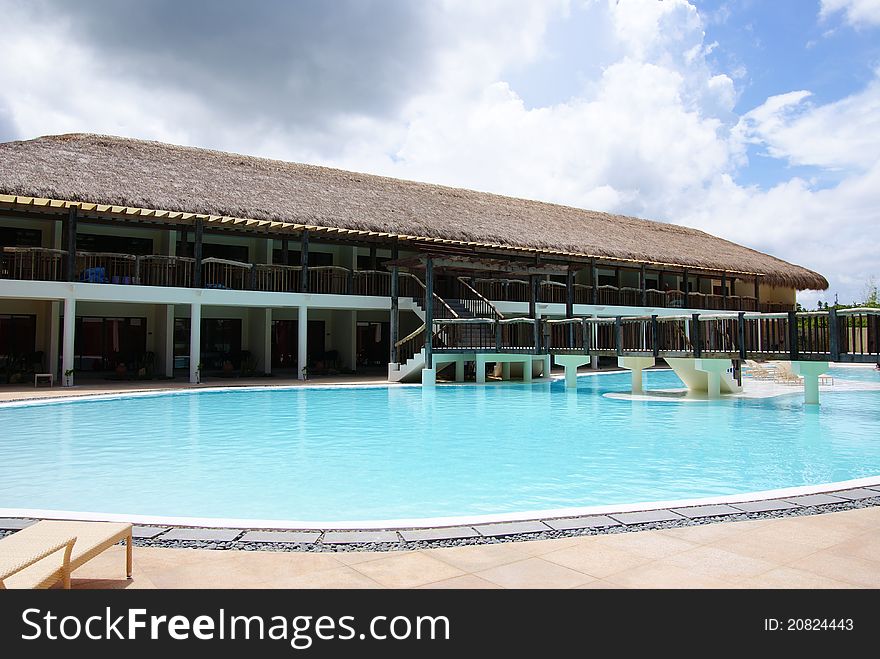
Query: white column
54,334
505,370
267,342
164,345
302,317
571,364
527,370
636,365
459,370
481,369
546,373
67,341
195,342
810,371
713,388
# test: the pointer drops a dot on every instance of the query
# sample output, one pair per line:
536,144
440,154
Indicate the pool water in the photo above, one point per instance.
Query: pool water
333,454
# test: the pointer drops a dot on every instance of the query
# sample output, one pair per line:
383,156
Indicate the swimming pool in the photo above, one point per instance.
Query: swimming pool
368,453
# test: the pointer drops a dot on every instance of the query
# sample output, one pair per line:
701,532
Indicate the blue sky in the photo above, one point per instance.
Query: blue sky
755,120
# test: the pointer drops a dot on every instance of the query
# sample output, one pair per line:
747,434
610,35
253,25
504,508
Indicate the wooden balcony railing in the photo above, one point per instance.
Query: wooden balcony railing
223,274
157,270
32,263
106,268
41,264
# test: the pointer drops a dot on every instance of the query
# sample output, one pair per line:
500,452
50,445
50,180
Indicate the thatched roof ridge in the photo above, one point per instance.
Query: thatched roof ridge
128,172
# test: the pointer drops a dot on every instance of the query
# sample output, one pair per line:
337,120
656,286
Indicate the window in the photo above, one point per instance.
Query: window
215,251
86,242
294,257
14,237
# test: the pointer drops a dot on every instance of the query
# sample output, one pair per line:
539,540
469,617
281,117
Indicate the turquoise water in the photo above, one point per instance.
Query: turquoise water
401,452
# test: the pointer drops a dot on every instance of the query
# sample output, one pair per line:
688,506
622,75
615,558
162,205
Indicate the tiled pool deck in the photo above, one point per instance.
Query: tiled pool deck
833,550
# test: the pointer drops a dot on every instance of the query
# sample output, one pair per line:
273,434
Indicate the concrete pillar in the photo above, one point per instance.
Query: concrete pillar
195,342
459,371
505,370
571,364
481,369
165,339
67,342
713,368
429,377
594,359
546,367
810,372
636,365
54,326
260,338
527,371
267,340
302,317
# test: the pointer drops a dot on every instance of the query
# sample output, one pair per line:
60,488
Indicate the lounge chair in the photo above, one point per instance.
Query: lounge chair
34,561
758,371
784,374
91,538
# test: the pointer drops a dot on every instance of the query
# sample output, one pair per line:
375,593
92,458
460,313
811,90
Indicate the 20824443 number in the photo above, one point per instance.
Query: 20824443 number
819,624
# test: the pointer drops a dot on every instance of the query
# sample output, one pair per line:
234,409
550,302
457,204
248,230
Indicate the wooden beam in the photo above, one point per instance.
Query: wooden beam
304,262
197,254
687,286
395,306
595,275
70,237
533,296
374,263
643,286
285,251
429,311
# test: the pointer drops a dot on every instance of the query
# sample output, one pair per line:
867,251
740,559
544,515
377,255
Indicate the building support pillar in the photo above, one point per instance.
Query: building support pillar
54,336
395,307
481,368
505,370
195,343
67,343
713,368
304,263
197,253
810,372
571,363
302,337
459,371
636,365
429,312
165,339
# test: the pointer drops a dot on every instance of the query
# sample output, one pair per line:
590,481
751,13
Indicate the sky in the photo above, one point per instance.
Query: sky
756,121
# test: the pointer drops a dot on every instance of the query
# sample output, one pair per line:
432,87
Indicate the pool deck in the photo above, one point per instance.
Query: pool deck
832,550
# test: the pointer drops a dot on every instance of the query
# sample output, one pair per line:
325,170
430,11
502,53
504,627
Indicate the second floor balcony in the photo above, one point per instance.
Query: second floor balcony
42,264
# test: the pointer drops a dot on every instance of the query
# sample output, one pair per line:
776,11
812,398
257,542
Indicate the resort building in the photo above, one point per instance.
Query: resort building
127,258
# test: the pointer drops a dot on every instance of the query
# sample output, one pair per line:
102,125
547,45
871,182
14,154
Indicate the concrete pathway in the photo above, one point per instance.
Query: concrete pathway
833,550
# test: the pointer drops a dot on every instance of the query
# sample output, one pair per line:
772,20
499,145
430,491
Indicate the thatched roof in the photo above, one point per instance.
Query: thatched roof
153,175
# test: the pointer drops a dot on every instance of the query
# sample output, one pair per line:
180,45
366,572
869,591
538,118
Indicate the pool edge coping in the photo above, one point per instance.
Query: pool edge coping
783,495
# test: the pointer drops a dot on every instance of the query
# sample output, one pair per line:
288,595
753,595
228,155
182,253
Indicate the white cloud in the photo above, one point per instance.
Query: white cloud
858,13
839,135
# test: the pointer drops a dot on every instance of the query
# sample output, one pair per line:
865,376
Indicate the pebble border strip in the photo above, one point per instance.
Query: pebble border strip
545,529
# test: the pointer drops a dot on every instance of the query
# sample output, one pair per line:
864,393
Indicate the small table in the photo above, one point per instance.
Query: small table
44,377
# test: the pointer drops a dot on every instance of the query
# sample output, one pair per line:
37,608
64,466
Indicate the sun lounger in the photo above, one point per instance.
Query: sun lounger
758,371
35,561
784,374
92,538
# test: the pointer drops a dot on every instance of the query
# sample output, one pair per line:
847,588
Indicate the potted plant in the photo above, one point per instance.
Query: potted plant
68,378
